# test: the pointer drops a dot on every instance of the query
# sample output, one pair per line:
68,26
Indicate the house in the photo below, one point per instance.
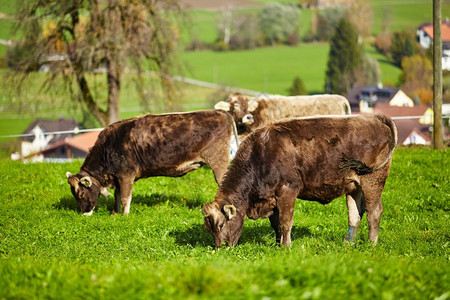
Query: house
70,148
414,124
425,38
364,98
41,133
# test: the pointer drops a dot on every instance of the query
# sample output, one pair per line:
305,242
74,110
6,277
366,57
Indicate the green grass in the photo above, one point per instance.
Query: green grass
161,250
272,69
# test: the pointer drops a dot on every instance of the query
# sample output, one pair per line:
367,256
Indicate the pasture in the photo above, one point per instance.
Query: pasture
162,250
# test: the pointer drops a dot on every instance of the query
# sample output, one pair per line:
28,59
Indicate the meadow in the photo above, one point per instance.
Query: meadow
162,250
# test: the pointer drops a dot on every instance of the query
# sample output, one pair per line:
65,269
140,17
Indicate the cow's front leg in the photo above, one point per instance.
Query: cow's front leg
275,223
117,201
285,204
355,205
126,187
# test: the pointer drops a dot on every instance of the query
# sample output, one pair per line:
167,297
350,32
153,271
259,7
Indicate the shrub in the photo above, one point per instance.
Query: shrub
297,88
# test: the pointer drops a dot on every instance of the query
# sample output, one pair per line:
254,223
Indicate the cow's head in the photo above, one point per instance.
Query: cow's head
224,223
240,107
85,192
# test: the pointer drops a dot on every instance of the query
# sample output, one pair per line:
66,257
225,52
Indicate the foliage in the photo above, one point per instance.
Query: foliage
277,21
417,74
383,42
297,88
368,71
404,44
162,250
343,59
89,35
327,20
360,14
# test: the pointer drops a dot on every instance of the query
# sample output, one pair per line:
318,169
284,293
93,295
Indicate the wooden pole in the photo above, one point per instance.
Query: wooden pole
437,76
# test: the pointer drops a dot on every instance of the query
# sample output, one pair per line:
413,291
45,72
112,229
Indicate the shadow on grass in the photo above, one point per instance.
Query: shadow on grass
197,235
66,203
69,202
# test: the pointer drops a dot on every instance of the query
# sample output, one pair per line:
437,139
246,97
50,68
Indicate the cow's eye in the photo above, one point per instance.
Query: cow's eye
221,226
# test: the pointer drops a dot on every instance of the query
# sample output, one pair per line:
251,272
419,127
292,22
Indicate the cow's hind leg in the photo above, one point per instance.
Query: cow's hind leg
356,208
372,186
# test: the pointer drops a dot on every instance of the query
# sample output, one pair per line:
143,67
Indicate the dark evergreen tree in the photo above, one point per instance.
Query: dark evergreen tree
297,88
343,59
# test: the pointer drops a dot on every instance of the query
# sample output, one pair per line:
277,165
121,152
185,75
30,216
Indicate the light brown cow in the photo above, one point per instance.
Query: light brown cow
151,145
317,159
250,114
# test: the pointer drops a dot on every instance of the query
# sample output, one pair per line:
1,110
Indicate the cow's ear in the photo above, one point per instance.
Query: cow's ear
222,105
230,211
86,181
252,105
68,175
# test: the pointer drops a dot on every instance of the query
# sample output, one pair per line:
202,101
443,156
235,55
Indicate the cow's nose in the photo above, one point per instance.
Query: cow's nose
248,119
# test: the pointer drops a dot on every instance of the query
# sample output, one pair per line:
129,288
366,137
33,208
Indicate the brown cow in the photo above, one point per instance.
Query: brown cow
151,145
317,159
250,114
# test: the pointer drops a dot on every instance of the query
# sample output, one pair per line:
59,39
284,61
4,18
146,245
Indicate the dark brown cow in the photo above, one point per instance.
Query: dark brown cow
318,159
250,114
151,145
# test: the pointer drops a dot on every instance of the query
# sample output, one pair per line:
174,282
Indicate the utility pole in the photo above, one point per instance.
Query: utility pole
437,76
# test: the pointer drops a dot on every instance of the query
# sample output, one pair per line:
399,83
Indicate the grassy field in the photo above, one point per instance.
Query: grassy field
273,69
162,250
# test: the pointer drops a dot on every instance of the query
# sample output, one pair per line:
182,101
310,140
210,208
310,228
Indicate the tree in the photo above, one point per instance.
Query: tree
368,71
327,20
343,59
403,44
297,88
277,21
360,15
417,77
90,35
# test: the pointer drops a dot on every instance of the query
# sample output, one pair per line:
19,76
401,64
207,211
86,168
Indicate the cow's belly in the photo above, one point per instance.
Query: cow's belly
325,193
174,170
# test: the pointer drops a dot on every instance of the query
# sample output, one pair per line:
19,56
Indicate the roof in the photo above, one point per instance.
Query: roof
399,111
406,126
83,142
445,30
53,125
384,94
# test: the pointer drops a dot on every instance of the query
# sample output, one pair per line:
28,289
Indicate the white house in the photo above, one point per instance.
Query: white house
40,134
425,37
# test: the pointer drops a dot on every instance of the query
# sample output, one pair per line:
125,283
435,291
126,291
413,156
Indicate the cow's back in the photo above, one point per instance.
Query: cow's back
277,108
158,145
310,151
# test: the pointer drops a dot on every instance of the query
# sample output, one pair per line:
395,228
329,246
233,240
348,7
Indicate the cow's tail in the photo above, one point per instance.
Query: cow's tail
235,135
361,168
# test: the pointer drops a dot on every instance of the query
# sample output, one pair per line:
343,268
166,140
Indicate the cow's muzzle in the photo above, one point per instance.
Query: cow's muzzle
248,119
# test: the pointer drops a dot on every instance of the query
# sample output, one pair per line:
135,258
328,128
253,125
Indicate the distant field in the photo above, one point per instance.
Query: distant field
271,70
163,251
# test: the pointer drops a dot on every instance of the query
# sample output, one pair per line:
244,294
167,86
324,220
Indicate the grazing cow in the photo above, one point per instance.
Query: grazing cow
314,158
250,114
151,145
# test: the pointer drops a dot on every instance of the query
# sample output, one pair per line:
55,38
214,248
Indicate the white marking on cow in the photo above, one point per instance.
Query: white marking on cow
88,213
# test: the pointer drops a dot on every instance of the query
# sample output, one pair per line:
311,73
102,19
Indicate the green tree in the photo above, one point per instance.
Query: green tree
297,87
404,44
277,21
88,35
343,59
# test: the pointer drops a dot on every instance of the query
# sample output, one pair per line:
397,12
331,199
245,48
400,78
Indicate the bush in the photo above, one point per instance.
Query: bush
297,88
383,43
221,46
277,21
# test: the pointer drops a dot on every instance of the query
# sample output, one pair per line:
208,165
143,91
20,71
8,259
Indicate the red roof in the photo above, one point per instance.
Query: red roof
399,111
445,31
83,141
